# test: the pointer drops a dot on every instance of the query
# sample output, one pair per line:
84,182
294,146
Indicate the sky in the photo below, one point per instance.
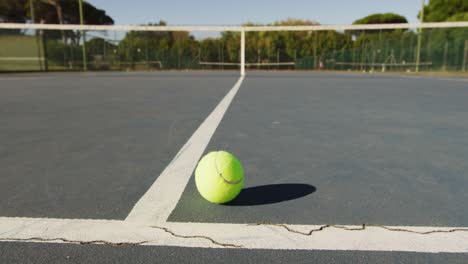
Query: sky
219,12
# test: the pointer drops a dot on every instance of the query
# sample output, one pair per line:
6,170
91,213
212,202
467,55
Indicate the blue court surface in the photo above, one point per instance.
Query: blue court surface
339,167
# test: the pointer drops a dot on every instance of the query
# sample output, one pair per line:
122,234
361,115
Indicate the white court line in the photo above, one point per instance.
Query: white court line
230,235
147,222
162,197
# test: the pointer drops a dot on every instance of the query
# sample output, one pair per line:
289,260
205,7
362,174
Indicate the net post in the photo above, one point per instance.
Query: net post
444,67
420,30
38,42
242,66
465,56
83,35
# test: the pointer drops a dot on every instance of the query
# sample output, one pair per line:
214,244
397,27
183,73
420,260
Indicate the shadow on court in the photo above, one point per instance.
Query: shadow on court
272,193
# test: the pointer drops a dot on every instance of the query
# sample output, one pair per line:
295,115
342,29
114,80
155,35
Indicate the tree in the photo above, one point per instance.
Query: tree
380,46
210,49
58,9
385,18
447,44
52,12
231,42
174,49
285,46
91,14
66,12
13,11
445,10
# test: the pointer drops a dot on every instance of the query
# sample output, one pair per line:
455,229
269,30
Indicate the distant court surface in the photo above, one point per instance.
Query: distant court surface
86,145
321,148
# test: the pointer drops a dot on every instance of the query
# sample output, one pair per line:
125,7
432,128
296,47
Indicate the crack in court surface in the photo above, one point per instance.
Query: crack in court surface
361,228
198,236
78,242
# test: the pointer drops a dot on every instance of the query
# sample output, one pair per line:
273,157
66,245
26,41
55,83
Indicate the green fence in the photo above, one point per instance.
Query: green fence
21,53
441,50
390,49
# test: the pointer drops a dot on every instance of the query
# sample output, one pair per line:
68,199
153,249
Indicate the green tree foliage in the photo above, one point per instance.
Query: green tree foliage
287,46
381,46
230,41
458,17
445,46
50,11
173,49
180,49
445,10
66,12
386,18
212,50
13,11
369,36
306,48
70,13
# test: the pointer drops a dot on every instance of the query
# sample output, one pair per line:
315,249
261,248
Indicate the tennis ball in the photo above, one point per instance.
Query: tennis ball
219,177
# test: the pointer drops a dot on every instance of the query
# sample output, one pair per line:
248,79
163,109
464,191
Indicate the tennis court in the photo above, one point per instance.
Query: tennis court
338,166
352,137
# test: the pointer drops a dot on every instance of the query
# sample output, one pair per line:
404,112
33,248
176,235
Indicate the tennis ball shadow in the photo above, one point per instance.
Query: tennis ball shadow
272,193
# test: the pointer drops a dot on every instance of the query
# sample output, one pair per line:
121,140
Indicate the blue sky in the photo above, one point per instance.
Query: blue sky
218,12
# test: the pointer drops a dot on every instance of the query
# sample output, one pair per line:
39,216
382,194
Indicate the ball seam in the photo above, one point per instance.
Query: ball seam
220,174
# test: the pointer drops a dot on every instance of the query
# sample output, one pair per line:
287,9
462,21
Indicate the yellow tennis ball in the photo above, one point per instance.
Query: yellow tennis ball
219,177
